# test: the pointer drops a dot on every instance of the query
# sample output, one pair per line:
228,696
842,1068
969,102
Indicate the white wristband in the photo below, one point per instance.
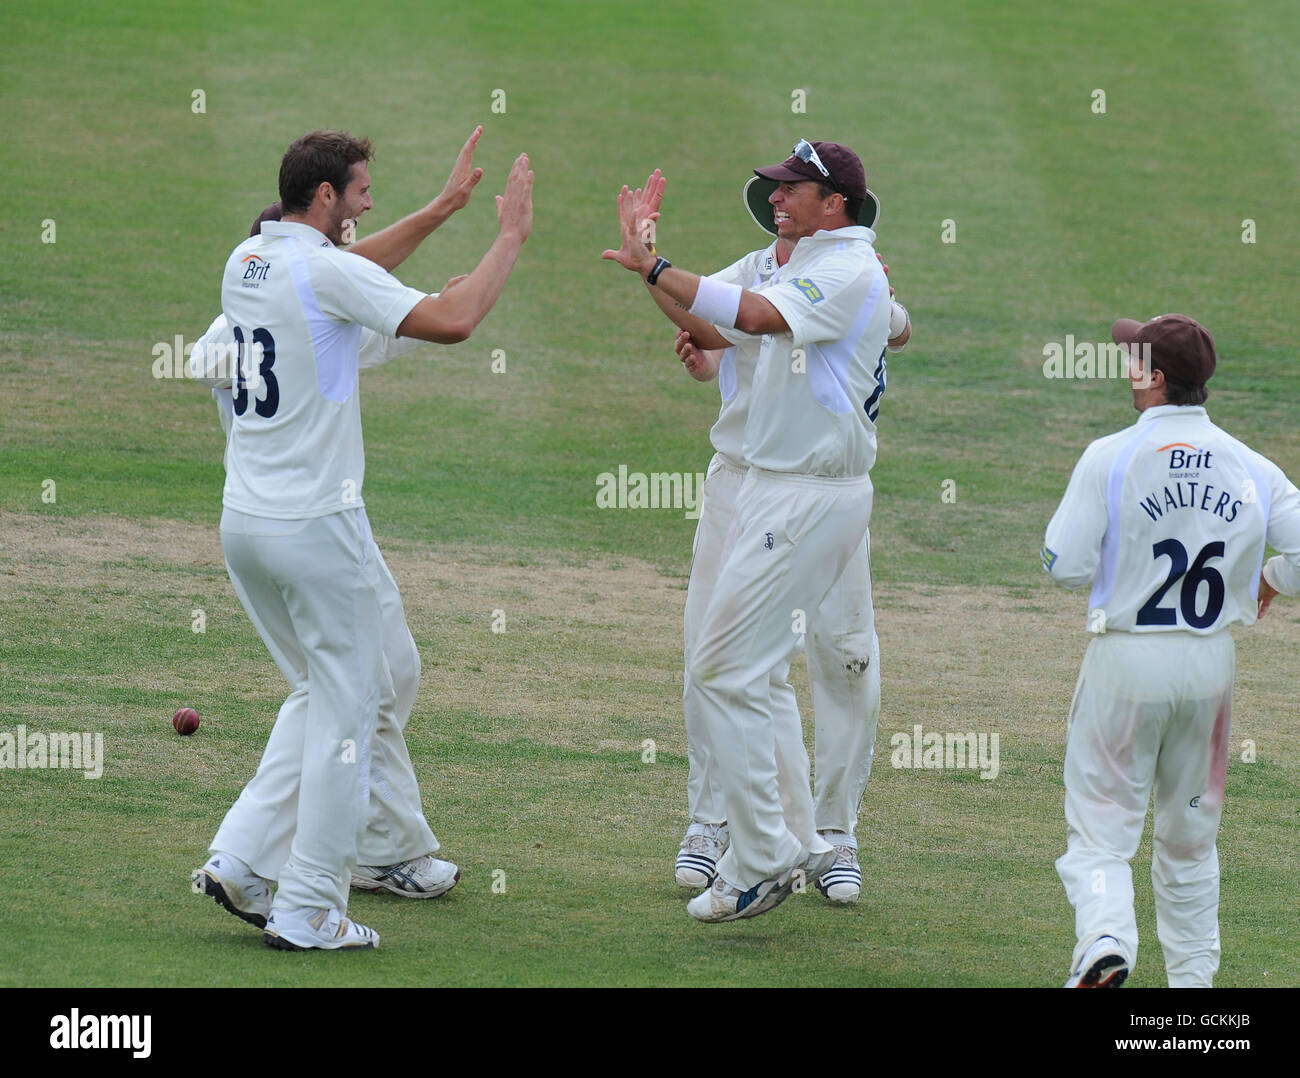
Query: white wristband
717,302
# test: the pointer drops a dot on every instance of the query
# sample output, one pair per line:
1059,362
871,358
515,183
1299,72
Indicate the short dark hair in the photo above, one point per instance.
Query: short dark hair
319,157
1183,393
852,206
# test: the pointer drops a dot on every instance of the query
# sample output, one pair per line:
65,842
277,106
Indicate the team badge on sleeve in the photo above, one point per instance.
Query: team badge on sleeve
1049,558
814,294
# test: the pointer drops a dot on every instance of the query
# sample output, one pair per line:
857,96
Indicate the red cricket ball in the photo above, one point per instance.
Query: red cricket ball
186,721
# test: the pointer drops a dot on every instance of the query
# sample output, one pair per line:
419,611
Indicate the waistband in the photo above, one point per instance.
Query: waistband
822,482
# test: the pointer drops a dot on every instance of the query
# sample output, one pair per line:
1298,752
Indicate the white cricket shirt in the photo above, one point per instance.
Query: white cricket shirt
1168,520
736,365
211,361
295,448
816,390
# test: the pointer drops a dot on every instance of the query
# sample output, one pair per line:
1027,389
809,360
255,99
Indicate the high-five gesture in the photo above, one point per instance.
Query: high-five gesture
515,207
637,213
392,246
464,176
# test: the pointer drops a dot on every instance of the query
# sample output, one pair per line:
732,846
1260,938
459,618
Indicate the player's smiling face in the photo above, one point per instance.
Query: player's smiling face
352,203
799,209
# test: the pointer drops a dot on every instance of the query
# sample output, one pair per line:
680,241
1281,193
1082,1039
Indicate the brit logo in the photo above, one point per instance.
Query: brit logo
255,269
1049,558
1183,457
809,289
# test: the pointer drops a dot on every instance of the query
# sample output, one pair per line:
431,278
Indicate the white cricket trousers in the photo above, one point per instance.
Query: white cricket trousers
790,538
843,656
1151,712
312,589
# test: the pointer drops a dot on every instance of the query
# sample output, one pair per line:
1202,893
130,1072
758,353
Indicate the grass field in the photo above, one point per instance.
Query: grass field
481,486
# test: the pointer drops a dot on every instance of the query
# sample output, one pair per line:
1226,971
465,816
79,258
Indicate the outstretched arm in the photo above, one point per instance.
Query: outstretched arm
453,315
392,246
676,290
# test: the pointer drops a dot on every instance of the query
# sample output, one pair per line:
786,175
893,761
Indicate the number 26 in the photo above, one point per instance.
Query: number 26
1152,613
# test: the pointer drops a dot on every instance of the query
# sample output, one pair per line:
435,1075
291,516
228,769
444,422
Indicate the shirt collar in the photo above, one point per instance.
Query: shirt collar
848,232
295,228
834,235
1158,410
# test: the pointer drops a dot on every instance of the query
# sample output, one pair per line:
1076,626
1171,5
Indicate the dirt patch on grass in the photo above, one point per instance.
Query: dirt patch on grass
583,656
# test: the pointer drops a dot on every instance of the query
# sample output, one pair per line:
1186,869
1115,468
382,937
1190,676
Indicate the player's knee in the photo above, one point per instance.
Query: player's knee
714,677
1182,851
849,654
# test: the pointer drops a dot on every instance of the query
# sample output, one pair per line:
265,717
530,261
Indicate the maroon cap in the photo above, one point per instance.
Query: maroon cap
273,212
846,175
1178,345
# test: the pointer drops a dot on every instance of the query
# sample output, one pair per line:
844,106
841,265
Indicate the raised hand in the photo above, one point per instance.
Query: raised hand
515,207
637,212
647,203
464,176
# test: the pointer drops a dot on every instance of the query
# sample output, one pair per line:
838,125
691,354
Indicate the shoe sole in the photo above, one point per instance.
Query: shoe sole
204,883
1109,971
280,943
360,883
818,866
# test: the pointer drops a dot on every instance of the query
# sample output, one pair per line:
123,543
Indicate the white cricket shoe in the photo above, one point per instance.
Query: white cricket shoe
235,887
422,877
701,850
1103,965
324,930
725,902
842,882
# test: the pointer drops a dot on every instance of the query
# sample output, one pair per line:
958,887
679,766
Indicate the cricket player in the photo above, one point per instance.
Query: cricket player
395,852
819,325
1168,521
843,652
294,530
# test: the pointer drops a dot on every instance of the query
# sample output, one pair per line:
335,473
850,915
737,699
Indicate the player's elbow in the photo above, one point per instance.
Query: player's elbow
1071,578
757,316
454,333
756,321
1064,571
435,327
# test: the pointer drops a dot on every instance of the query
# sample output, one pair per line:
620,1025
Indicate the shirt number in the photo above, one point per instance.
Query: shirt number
1152,613
264,406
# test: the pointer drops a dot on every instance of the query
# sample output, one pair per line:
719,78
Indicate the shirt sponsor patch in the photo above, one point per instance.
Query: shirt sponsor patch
1049,558
809,289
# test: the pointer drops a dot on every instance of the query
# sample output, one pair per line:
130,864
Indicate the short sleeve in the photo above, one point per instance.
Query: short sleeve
376,349
354,289
823,304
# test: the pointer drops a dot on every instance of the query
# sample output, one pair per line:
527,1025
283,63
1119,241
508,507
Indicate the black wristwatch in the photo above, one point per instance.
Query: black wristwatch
661,264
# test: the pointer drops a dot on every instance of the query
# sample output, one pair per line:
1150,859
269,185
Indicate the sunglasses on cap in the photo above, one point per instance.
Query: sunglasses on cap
803,149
